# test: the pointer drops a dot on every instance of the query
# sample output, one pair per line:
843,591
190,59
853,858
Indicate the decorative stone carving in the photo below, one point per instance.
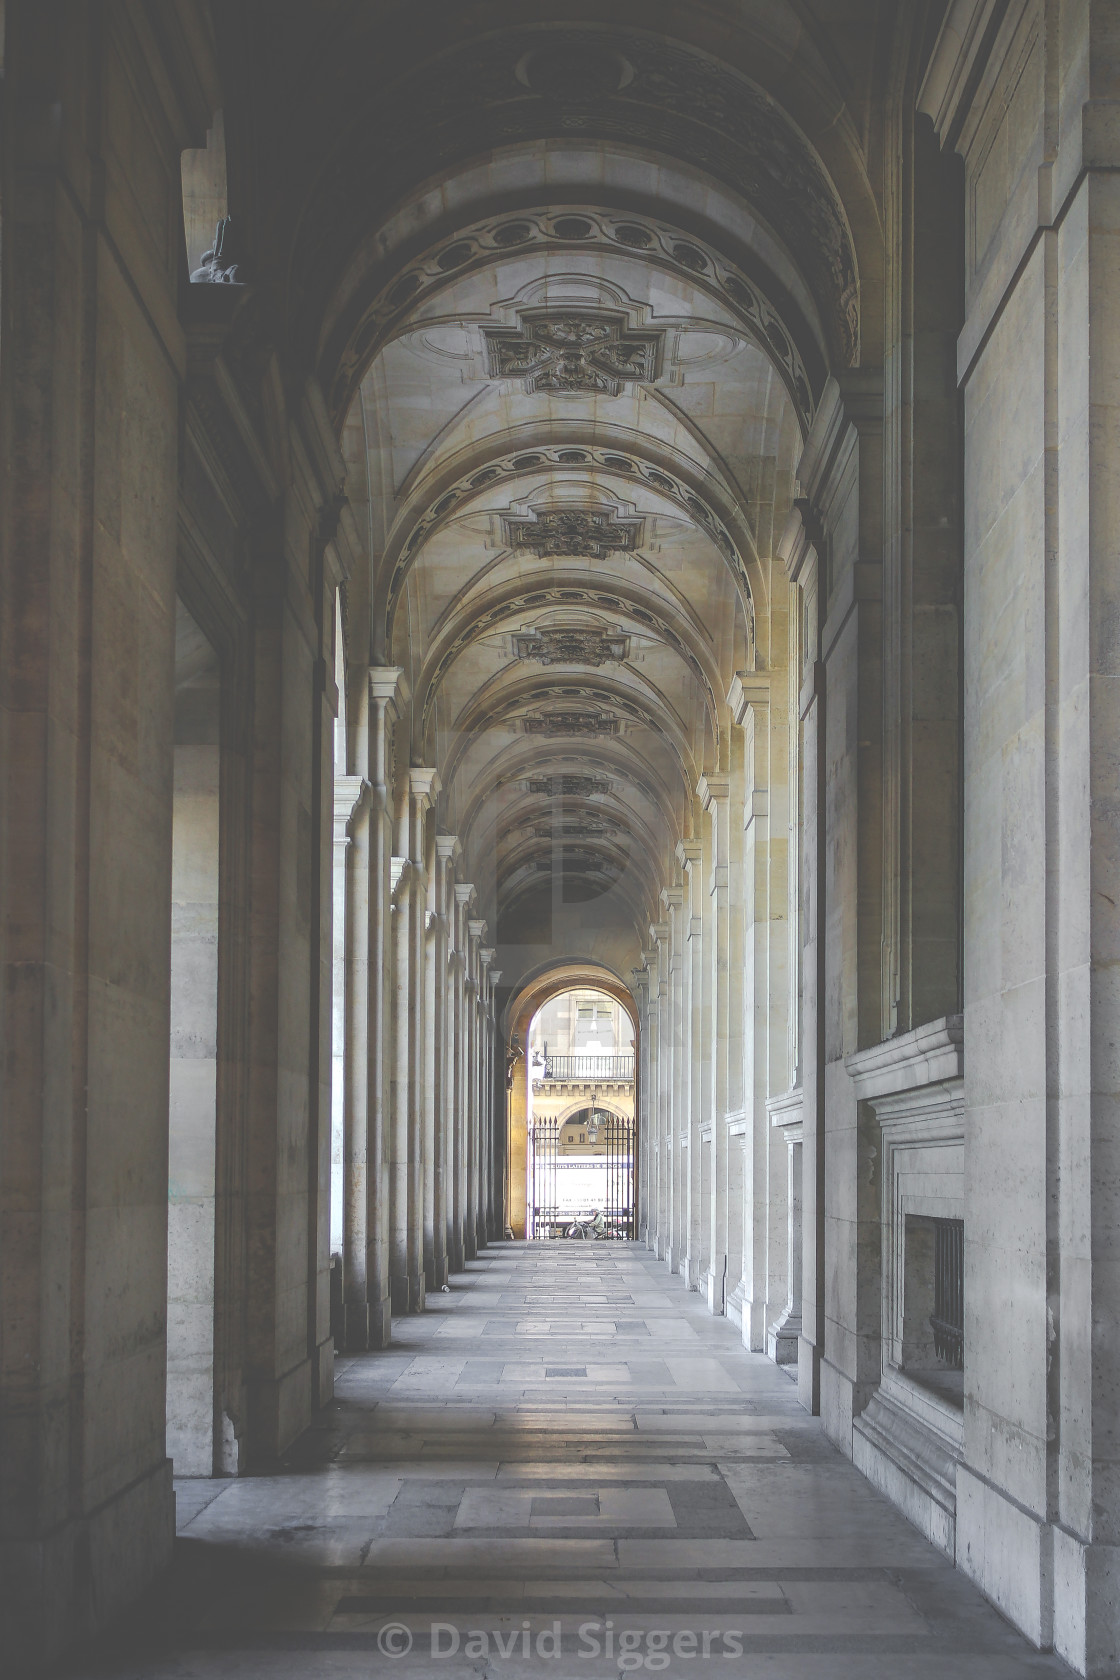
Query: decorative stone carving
570,723
698,506
569,533
576,353
574,787
541,227
574,645
586,830
220,265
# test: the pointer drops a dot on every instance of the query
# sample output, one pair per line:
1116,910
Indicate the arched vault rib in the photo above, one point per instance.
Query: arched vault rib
662,95
635,234
608,759
627,682
612,453
547,590
530,692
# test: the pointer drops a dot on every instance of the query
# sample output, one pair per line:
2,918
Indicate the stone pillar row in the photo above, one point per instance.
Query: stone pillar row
718,1089
420,1196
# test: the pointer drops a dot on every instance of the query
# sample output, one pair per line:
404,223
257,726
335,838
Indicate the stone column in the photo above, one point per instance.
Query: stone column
423,785
764,1158
464,991
724,1212
397,1140
672,901
660,1107
447,853
841,469
386,701
785,1119
476,932
643,1140
486,1096
695,1048
352,864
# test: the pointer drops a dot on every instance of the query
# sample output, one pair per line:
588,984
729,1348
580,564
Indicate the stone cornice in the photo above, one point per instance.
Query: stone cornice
929,1055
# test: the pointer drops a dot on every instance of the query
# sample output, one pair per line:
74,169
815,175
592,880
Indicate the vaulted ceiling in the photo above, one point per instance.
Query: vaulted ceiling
572,288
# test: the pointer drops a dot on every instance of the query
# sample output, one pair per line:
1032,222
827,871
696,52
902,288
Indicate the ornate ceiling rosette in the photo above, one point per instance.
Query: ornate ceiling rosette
538,600
697,507
573,352
573,533
649,239
575,644
570,722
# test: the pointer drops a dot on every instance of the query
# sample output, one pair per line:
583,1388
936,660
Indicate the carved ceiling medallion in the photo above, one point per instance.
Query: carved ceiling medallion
575,831
570,723
575,787
571,533
574,645
574,353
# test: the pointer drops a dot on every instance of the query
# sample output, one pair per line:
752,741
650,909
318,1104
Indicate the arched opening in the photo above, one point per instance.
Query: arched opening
578,1157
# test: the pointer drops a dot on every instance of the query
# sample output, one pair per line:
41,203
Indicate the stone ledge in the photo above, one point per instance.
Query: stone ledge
912,1459
929,1055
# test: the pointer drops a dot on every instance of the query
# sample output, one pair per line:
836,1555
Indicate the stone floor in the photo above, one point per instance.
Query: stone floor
565,1468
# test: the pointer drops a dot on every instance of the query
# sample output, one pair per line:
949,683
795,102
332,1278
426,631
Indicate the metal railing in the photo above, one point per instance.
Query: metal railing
947,1318
589,1067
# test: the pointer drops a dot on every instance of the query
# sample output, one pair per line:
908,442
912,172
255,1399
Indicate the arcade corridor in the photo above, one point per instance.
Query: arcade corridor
569,1438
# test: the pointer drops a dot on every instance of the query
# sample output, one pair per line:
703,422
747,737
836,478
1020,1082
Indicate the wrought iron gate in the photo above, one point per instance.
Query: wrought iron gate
546,1145
554,1208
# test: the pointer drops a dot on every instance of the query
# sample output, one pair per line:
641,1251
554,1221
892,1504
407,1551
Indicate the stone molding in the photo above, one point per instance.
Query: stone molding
927,1055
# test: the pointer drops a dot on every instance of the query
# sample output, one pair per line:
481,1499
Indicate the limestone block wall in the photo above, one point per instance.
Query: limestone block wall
94,358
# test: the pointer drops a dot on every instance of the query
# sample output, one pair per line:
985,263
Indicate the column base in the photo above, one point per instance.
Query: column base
380,1323
809,1376
60,1589
406,1294
1086,1597
711,1287
735,1304
279,1409
1008,1552
322,1374
783,1337
355,1327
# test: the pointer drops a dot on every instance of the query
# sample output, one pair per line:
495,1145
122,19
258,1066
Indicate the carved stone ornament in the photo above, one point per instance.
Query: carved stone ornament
220,265
573,353
570,723
570,533
573,787
575,831
576,645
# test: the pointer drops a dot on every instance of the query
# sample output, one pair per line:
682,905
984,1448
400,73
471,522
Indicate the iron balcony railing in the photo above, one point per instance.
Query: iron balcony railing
589,1067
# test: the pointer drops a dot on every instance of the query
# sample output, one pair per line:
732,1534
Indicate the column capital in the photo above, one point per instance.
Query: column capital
423,783
800,542
747,692
476,928
388,686
658,933
448,848
351,794
714,784
464,893
687,853
672,898
486,954
398,871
